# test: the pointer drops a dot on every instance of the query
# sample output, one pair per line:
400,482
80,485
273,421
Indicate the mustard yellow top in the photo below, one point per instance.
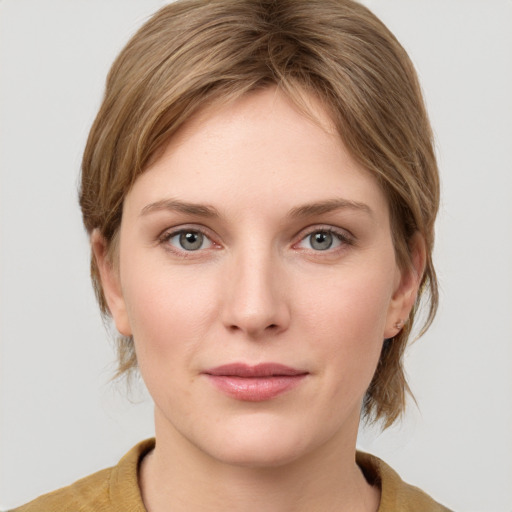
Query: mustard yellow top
116,489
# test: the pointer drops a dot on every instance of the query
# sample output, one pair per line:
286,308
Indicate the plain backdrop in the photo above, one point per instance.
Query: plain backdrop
61,418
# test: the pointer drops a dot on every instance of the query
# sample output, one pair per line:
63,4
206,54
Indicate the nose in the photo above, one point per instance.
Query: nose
255,295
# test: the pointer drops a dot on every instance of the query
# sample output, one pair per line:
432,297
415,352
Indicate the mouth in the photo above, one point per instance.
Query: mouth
255,383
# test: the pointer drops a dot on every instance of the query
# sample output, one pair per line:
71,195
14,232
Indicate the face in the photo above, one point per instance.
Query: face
258,278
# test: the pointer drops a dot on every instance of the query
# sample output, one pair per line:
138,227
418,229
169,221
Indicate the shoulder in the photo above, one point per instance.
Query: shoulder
84,494
396,495
109,490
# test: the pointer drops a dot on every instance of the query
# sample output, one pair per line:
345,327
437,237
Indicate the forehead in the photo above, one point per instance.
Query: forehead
259,146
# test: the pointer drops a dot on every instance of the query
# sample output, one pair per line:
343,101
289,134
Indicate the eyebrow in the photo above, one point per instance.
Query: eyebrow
181,207
306,210
331,205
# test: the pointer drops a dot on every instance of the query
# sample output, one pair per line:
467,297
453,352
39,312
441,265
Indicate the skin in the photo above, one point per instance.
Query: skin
257,290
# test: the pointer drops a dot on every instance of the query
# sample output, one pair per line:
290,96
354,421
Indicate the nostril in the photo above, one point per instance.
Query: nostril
271,327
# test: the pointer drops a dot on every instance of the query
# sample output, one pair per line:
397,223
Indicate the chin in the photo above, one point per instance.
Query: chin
254,455
259,444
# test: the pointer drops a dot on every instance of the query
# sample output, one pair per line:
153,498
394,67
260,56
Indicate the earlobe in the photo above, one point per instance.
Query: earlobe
406,290
111,284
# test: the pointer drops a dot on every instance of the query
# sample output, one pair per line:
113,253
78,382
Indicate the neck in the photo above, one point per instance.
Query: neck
180,477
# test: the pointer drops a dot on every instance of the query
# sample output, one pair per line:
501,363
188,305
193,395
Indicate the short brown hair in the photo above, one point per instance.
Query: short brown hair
193,53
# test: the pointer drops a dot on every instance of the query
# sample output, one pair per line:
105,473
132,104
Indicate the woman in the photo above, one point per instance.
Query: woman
260,191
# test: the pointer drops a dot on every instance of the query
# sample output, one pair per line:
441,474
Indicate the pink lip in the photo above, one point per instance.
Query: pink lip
254,383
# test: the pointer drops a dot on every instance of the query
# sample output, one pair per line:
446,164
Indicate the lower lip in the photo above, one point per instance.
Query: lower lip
255,389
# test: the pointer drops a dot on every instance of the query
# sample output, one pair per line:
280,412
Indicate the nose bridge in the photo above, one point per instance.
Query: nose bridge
256,298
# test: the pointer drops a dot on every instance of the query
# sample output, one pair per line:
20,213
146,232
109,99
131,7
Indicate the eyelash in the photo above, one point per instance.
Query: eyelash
345,239
165,240
342,237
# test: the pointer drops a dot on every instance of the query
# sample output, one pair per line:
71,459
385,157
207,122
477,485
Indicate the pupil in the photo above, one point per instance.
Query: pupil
191,240
321,241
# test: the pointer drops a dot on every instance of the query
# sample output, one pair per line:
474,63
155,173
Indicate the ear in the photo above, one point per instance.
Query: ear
111,283
406,287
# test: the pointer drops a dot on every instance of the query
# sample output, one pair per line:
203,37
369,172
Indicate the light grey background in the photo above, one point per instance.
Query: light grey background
60,419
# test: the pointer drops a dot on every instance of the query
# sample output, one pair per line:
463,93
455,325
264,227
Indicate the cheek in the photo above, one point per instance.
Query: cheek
170,318
348,319
351,301
169,313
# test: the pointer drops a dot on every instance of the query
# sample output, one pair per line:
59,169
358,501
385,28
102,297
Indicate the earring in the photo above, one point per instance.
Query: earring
399,325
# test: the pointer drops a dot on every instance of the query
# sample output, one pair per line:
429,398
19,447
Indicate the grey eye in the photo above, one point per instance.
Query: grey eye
191,240
321,240
188,240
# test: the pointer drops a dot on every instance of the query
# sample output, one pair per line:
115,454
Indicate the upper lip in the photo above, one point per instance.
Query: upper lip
259,370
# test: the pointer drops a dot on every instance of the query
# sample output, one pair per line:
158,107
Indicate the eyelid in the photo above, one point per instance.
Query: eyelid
343,235
168,233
